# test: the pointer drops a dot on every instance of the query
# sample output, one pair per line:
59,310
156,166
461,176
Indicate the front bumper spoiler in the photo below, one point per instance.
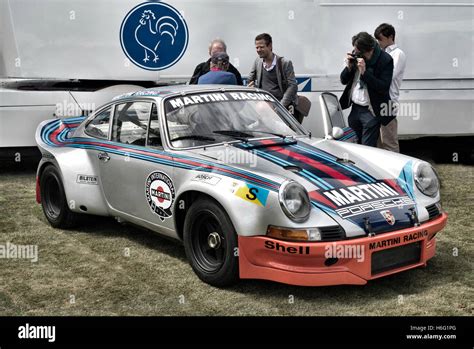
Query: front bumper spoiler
339,262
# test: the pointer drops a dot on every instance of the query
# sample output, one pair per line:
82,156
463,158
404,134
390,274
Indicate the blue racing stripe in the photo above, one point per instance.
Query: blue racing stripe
319,154
330,158
306,174
249,177
172,163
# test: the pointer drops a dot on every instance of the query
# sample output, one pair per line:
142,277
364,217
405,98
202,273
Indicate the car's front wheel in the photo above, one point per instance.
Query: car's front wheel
53,199
210,242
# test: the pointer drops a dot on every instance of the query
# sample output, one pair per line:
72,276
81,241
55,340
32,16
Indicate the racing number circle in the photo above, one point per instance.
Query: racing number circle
160,194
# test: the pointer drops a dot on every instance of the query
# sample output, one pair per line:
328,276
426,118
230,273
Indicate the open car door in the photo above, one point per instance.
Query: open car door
335,125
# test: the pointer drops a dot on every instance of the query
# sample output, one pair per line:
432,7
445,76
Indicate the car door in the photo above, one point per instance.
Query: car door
136,178
335,125
123,161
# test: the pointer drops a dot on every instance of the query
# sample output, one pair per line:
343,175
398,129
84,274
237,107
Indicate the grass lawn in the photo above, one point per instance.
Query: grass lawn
104,268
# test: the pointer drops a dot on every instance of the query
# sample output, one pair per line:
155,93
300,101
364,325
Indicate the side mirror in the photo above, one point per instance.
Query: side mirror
337,132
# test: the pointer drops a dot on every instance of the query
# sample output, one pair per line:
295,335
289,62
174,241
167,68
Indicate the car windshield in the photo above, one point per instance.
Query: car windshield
207,118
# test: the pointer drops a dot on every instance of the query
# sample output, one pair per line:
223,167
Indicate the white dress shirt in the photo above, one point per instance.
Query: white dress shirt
399,63
360,94
274,63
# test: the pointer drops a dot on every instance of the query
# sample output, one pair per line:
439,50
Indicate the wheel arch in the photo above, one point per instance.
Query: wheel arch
184,202
39,172
86,198
45,163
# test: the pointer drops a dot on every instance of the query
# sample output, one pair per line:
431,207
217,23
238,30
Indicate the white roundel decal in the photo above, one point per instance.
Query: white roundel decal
160,194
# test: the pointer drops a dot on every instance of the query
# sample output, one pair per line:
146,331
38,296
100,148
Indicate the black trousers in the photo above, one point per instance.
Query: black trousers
365,125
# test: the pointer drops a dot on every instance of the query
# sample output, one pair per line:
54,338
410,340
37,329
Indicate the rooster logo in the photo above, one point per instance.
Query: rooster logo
150,30
154,36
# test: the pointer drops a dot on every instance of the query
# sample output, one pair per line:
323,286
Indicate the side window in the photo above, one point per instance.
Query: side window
154,135
130,122
99,126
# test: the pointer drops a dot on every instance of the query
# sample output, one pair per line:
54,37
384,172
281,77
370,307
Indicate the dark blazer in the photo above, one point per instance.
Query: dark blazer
205,67
289,93
378,80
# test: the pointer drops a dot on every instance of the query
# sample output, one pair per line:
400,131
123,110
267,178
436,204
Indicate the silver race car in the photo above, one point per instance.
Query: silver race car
228,171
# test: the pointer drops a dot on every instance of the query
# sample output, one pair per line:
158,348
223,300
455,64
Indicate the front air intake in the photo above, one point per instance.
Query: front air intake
332,233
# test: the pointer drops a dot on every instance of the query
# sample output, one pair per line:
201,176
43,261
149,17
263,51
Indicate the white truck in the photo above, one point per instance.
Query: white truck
65,58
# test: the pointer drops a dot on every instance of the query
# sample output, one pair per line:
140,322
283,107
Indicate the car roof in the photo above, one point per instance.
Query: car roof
163,91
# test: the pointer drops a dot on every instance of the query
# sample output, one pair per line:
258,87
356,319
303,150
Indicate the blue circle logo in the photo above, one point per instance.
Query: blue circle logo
154,36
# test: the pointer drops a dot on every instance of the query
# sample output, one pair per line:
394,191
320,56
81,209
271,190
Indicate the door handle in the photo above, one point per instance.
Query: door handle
103,157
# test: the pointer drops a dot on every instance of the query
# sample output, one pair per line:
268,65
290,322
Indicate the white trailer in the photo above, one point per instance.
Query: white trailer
56,56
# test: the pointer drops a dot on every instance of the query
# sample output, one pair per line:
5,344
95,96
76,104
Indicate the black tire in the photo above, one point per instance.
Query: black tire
53,200
218,265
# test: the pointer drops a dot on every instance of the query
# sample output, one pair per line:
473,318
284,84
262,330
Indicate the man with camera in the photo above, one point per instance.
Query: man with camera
367,76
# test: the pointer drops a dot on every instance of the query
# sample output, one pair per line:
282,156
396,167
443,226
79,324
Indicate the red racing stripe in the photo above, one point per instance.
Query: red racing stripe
315,195
333,173
189,162
54,135
393,184
53,138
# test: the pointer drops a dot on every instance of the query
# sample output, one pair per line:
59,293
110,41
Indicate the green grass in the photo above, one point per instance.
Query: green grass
90,263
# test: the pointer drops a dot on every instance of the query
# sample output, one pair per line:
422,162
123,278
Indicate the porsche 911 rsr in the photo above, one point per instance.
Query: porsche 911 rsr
248,190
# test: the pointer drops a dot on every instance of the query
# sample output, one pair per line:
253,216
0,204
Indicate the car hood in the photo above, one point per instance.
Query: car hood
357,184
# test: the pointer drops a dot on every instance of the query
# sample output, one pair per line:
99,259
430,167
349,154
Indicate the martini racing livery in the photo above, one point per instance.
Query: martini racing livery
248,190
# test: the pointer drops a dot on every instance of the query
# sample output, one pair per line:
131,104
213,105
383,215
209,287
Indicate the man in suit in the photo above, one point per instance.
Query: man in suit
216,46
367,76
273,73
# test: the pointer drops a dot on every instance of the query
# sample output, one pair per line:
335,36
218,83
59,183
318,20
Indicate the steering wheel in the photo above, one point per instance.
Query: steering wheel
98,132
139,141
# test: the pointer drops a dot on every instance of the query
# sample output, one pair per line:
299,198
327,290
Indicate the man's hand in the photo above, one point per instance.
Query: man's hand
251,84
349,61
361,65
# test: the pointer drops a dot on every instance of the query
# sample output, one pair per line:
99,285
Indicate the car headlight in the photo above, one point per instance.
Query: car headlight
294,201
426,179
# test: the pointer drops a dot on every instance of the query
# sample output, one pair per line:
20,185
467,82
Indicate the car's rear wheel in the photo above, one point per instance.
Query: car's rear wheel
210,242
53,199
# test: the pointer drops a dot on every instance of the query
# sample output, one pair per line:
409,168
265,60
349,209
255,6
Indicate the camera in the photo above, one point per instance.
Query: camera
355,56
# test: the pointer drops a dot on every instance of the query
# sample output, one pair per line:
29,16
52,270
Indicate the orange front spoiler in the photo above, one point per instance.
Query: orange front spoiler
332,263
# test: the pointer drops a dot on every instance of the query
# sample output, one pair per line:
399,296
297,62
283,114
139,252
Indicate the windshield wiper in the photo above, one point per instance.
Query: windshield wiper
269,133
196,137
246,134
240,135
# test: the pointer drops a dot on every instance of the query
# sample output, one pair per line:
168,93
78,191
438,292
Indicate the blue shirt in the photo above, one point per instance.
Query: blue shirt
218,77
